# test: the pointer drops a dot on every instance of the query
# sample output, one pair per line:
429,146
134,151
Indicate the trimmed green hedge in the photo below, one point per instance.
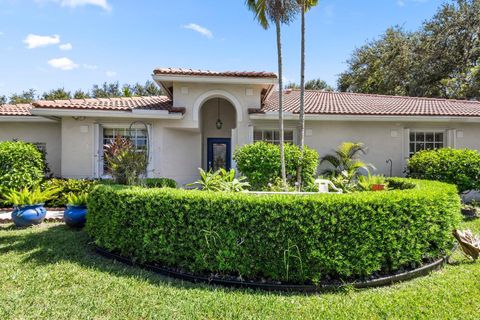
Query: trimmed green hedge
279,237
457,166
160,183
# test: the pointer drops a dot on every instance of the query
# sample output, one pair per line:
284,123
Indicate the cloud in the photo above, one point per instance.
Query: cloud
111,73
90,66
66,46
197,28
401,3
64,64
79,3
36,41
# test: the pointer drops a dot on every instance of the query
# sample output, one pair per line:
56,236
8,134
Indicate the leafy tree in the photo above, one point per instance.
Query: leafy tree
80,94
57,94
441,59
318,84
3,99
24,97
280,12
107,90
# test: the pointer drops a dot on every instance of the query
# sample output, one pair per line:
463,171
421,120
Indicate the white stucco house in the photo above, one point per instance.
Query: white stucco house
205,115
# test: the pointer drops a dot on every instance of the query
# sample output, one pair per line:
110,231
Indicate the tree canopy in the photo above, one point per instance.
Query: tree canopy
441,59
106,90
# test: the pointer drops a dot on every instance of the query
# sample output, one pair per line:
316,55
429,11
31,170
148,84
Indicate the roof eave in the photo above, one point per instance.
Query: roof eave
29,119
136,114
214,79
352,117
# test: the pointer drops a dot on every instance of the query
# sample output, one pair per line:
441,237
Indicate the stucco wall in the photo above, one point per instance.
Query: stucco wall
48,133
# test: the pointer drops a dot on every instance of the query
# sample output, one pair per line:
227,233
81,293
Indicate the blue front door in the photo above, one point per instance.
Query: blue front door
218,153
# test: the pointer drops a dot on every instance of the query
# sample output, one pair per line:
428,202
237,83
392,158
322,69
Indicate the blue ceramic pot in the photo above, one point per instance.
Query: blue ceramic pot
75,216
26,216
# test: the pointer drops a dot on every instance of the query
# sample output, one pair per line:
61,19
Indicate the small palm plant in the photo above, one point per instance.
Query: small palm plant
77,200
28,197
346,158
220,180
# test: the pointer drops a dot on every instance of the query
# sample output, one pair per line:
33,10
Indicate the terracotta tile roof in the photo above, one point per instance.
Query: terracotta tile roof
208,73
15,110
321,102
112,104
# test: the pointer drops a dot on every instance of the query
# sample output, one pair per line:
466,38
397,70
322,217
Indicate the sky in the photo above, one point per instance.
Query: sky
47,44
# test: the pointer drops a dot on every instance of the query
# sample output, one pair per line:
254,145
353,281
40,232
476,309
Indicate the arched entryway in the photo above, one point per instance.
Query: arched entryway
217,120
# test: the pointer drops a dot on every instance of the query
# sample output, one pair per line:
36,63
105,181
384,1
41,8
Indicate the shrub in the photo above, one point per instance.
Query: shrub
21,165
220,180
66,187
124,162
26,197
277,237
260,163
160,183
459,167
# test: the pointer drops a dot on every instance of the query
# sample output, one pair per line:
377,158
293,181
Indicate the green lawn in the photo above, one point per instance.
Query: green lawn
49,272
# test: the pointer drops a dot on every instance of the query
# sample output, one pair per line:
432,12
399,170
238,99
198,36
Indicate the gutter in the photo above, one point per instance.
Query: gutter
348,117
135,114
27,119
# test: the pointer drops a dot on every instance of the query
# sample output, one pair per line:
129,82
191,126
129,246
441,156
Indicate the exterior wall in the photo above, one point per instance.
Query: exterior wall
48,133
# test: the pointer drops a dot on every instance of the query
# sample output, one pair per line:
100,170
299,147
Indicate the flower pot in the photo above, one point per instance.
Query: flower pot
378,187
26,216
75,216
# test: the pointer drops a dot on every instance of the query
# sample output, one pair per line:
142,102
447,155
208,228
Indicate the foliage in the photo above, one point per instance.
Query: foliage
457,166
260,163
339,236
365,183
314,84
21,165
79,199
124,162
220,180
439,60
80,94
159,183
27,196
3,100
61,263
57,94
345,164
24,97
66,187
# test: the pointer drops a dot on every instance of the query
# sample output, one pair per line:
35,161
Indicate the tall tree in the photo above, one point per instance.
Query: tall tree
304,5
318,84
3,99
279,12
57,94
24,97
80,94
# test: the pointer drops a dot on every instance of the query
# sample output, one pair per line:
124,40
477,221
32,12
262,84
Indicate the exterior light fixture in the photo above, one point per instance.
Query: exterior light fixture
219,123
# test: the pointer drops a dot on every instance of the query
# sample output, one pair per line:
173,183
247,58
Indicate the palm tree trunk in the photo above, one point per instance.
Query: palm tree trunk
280,100
302,98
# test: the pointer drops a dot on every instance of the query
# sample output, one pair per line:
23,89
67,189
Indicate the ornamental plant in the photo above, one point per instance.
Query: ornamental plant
27,197
21,165
220,180
79,200
260,163
457,166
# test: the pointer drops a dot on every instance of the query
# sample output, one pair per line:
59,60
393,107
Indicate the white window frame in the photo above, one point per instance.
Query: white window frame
262,128
99,171
444,131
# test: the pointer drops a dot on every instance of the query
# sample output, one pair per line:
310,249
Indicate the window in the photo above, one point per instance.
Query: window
272,136
137,136
426,140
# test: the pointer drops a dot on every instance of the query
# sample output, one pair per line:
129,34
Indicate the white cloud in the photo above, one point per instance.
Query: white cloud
64,64
66,46
36,41
197,28
111,73
78,3
90,66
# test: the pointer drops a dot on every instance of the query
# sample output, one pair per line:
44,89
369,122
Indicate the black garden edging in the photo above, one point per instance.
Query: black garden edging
379,282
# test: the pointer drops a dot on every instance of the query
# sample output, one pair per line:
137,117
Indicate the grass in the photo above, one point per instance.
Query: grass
49,272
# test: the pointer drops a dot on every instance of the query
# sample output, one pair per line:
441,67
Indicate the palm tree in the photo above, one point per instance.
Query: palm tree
346,160
277,11
304,6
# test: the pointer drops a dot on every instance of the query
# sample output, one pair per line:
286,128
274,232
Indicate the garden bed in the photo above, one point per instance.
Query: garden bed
282,239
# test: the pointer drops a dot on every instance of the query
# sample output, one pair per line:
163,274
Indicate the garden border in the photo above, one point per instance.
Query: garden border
379,282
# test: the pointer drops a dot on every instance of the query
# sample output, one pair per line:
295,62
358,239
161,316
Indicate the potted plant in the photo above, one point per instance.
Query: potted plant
75,215
28,205
378,183
371,183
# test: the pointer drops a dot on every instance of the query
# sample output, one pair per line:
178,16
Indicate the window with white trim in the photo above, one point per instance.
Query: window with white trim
137,136
426,140
272,135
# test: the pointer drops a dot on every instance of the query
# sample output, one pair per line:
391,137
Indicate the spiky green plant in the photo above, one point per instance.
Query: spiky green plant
79,199
25,196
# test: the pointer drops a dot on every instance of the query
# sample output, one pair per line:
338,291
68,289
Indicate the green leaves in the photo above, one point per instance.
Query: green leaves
26,196
220,180
277,237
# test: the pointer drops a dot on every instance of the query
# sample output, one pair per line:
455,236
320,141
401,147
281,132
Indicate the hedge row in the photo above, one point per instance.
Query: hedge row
279,237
